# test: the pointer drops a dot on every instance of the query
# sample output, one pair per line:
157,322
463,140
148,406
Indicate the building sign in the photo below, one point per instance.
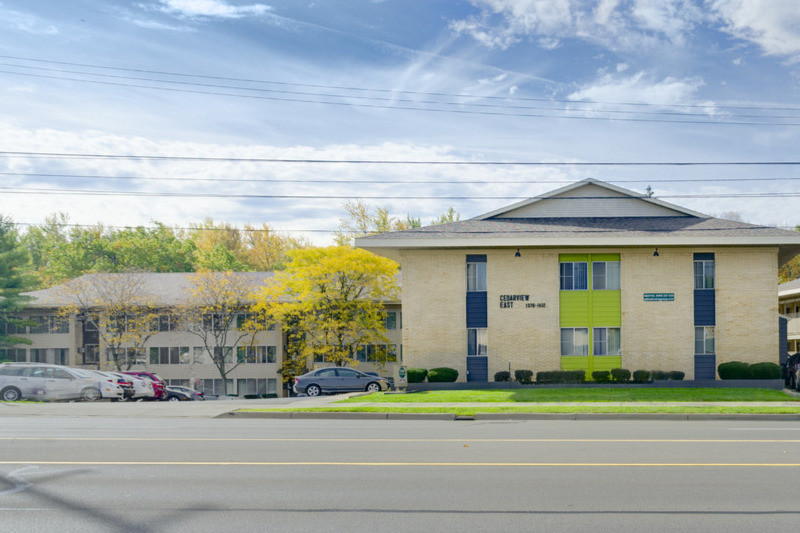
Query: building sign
659,297
507,301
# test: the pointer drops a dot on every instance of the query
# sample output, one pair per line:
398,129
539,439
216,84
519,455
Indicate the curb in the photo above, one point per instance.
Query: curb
504,416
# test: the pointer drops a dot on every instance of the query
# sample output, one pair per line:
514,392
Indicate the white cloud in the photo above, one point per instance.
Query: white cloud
774,25
211,8
611,23
639,88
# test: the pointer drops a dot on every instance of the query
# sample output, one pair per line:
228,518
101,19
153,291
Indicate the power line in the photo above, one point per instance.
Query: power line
395,99
67,155
384,181
83,192
776,107
415,108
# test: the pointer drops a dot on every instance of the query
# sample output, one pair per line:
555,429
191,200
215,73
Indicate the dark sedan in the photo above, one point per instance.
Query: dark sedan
335,379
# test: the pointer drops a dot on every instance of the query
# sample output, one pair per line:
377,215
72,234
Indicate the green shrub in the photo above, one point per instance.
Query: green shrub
765,370
660,375
677,375
573,376
548,376
442,374
524,376
251,396
620,375
416,375
734,370
561,376
502,376
270,395
641,376
601,376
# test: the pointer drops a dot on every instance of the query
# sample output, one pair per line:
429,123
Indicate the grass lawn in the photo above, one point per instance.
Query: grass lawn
582,395
534,408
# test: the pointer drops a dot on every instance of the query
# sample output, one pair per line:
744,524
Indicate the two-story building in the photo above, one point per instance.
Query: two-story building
590,276
789,308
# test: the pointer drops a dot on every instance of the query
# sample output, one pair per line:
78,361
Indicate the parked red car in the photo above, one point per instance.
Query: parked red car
159,385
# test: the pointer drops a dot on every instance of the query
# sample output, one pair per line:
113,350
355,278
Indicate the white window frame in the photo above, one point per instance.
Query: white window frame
478,342
476,276
705,337
567,279
600,341
568,346
609,280
704,270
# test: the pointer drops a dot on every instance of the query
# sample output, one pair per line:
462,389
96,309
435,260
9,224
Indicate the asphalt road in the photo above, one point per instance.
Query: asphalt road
188,474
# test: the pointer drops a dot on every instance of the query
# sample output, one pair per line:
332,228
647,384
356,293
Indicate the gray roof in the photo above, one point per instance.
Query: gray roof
789,287
167,288
579,226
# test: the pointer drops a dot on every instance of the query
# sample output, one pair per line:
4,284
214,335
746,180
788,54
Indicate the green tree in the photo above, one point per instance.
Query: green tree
451,215
266,249
14,279
362,220
333,298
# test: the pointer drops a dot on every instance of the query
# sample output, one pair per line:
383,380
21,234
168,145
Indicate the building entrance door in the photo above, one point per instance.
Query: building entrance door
477,368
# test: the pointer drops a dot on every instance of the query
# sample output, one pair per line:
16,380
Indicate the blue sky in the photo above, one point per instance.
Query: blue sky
488,80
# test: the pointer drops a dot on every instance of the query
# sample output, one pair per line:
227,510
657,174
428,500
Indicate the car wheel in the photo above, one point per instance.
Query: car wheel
90,394
373,387
313,390
173,399
11,394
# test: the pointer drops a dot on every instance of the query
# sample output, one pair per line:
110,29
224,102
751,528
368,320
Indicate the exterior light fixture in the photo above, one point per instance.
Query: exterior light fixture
517,254
655,253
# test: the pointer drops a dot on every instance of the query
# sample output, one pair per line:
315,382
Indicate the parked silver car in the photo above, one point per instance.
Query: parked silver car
335,379
39,381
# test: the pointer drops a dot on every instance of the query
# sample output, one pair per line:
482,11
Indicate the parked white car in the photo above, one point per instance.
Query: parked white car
40,381
107,383
142,388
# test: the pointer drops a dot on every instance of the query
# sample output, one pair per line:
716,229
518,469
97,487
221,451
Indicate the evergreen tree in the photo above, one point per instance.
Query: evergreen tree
14,279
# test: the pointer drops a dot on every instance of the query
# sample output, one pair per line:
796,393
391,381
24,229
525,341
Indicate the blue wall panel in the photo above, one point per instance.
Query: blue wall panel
477,306
477,368
705,366
783,340
705,312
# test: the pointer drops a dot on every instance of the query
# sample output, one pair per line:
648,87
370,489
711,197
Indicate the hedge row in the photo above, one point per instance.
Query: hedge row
740,370
440,374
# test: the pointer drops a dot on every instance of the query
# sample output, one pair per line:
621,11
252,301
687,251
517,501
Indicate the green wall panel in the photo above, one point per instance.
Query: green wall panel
573,309
575,363
606,308
606,362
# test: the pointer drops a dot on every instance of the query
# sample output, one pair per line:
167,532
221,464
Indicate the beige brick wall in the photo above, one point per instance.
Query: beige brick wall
655,335
747,304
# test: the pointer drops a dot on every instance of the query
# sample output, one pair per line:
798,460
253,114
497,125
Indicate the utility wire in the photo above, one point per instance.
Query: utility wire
777,107
415,108
382,181
67,155
83,192
395,99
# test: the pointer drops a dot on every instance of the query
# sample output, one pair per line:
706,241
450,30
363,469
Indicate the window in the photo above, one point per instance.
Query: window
12,328
605,276
91,354
15,355
477,343
226,352
256,354
126,354
50,324
704,340
199,355
214,322
476,276
272,386
53,356
167,323
213,387
574,341
170,355
391,319
251,386
606,341
704,274
179,383
574,276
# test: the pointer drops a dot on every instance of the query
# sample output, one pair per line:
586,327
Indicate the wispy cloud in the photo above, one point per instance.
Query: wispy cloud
211,8
25,22
774,25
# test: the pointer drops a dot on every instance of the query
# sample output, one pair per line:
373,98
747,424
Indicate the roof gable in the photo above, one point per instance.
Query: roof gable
590,199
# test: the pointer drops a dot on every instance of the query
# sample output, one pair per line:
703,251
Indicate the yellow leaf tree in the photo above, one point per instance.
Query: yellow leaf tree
117,306
331,303
217,310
